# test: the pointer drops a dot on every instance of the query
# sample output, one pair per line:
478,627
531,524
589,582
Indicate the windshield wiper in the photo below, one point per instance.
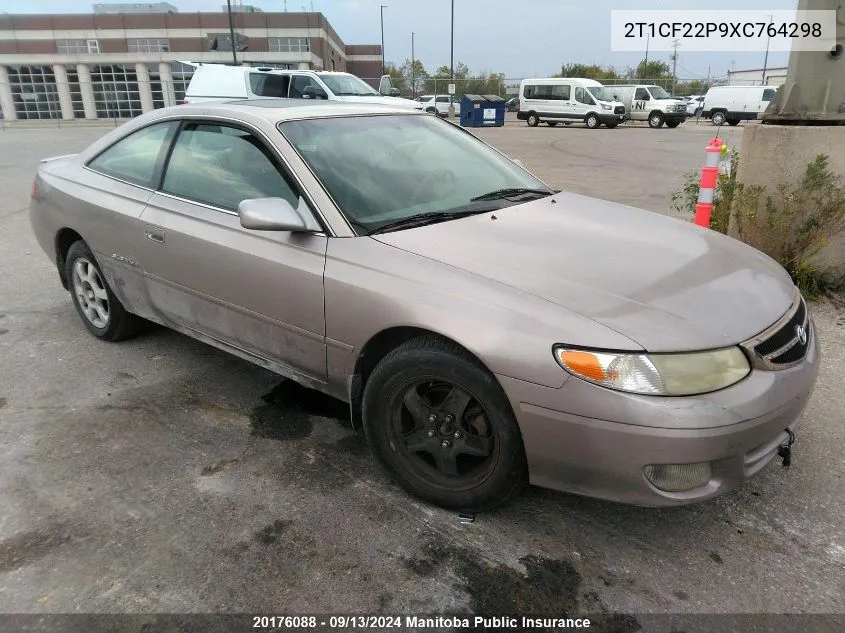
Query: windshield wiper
512,192
422,219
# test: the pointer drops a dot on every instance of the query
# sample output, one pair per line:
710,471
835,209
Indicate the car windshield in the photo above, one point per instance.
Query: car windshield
382,169
600,93
659,93
348,85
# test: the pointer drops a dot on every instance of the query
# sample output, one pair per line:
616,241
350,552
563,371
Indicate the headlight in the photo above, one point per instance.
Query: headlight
604,106
669,108
682,374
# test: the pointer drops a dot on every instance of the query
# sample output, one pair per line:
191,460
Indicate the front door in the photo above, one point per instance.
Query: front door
259,291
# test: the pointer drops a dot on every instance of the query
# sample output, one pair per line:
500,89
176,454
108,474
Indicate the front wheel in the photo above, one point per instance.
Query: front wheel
655,120
533,120
443,427
97,306
672,124
592,121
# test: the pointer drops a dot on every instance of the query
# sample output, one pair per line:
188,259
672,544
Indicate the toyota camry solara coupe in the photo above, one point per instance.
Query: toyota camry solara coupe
486,330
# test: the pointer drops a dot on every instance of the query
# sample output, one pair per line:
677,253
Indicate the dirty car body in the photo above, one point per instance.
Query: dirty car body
485,329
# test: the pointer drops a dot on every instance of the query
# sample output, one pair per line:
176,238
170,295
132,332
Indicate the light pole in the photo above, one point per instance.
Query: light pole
766,58
413,69
452,56
383,7
232,33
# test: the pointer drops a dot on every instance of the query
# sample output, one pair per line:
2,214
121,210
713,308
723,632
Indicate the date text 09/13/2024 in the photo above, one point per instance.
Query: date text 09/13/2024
416,622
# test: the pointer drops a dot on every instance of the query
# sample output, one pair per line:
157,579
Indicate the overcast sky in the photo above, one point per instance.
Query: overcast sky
520,38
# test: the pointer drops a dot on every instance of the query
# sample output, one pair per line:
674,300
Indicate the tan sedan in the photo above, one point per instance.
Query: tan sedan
485,330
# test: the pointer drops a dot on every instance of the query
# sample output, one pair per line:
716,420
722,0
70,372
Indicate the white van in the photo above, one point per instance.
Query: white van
733,104
567,99
213,82
650,103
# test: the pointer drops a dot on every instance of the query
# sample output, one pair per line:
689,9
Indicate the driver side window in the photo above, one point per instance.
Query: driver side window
298,85
642,95
582,96
221,165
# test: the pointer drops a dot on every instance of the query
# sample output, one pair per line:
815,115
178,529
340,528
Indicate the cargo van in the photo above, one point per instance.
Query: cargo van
733,104
213,82
650,103
567,99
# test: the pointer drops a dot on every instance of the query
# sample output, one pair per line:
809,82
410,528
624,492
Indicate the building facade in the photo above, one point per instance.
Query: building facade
118,65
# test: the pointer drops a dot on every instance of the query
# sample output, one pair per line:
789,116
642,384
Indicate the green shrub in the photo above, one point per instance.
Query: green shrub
792,226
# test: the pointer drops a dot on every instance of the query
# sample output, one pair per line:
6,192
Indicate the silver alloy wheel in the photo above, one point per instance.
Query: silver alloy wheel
91,293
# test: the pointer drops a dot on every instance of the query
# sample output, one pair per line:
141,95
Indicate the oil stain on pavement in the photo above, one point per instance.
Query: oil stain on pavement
287,411
548,588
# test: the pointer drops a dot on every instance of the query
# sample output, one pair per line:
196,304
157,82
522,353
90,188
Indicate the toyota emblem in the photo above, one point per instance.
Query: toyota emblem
801,333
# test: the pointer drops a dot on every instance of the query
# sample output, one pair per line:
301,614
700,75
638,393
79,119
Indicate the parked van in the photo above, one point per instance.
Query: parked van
567,99
650,103
733,104
213,82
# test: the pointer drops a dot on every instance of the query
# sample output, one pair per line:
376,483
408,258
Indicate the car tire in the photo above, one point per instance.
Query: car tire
97,306
733,122
672,124
551,123
471,462
655,120
611,125
592,121
533,120
718,118
431,110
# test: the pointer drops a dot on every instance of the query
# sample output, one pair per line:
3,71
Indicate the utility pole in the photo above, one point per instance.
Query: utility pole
675,45
383,7
766,58
645,63
452,57
232,33
413,69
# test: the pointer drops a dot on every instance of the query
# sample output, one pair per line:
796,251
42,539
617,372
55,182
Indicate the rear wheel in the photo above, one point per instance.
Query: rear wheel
533,120
443,427
655,120
100,311
718,118
592,121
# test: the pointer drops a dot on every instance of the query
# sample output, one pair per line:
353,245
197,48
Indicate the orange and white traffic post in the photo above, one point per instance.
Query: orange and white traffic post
707,184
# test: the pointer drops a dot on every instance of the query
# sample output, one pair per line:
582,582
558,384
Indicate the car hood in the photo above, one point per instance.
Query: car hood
665,284
390,101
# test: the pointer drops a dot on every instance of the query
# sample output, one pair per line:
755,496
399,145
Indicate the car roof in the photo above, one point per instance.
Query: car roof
275,110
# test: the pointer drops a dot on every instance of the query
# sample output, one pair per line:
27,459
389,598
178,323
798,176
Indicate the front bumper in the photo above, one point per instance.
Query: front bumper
675,116
613,118
586,439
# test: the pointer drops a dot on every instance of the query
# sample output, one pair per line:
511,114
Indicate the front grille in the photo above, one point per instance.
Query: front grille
681,108
784,347
619,110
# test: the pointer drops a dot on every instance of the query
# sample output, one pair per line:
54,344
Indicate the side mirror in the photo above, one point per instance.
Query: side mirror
313,92
276,214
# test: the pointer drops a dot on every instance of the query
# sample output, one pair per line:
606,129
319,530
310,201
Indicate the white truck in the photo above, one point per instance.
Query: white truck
213,82
650,103
733,104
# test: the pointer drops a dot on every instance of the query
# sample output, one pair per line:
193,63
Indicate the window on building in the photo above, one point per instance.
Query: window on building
155,86
182,74
135,157
116,94
148,45
289,44
74,47
75,93
34,92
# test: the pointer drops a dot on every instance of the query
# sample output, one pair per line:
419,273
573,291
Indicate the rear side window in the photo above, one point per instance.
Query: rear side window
554,93
222,165
136,157
269,85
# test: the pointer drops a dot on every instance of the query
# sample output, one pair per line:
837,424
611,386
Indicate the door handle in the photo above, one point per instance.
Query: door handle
154,233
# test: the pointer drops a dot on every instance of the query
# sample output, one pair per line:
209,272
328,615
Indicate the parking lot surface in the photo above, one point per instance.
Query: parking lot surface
161,475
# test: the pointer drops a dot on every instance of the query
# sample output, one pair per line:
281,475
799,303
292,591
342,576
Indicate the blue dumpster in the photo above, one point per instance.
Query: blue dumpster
483,111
